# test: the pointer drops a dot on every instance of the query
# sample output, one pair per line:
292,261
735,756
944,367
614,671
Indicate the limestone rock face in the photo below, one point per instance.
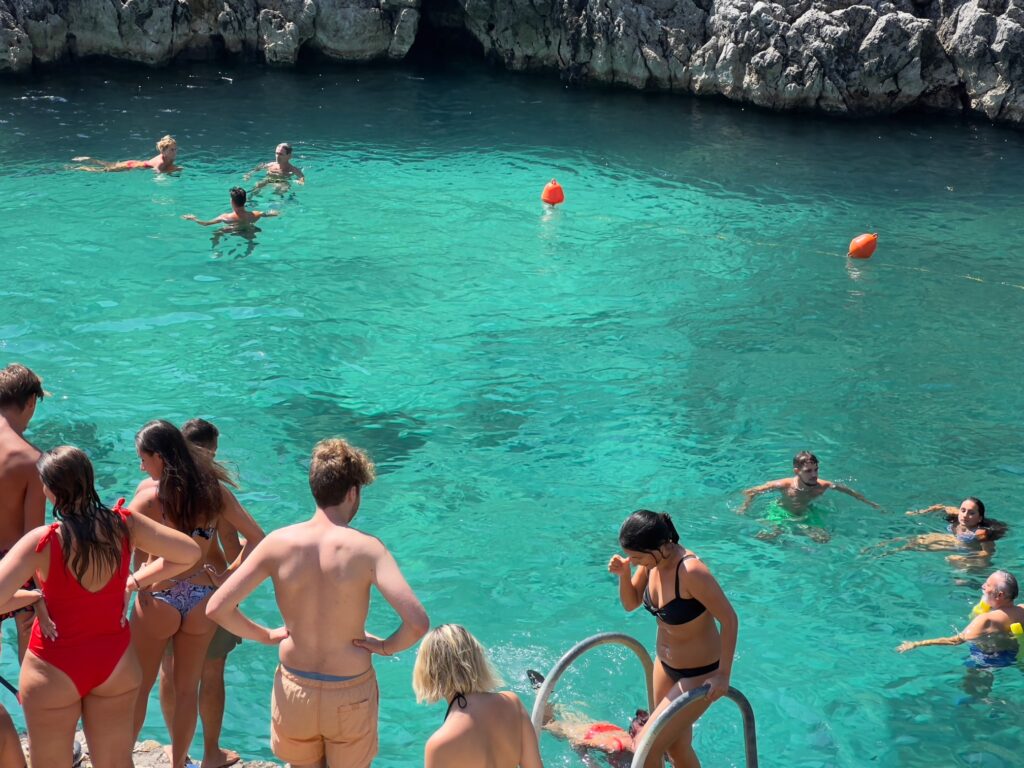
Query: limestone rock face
157,31
839,56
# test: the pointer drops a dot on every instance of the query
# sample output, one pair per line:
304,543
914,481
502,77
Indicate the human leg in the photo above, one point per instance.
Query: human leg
190,644
211,707
107,714
677,743
11,755
23,620
52,707
166,686
153,624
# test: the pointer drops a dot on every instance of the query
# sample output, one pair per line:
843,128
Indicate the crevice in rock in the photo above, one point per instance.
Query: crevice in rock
442,33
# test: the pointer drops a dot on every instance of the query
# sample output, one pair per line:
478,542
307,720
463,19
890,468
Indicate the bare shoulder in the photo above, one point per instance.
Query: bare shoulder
146,498
694,566
826,484
513,700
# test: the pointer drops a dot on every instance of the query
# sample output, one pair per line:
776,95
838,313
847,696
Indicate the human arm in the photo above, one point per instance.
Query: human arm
530,754
854,494
752,493
174,551
22,599
933,508
299,175
35,502
238,519
395,589
266,214
705,588
223,606
259,167
20,563
192,217
977,628
631,585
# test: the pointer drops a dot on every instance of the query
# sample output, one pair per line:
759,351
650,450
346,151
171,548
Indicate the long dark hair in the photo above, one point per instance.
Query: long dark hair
97,530
190,490
647,531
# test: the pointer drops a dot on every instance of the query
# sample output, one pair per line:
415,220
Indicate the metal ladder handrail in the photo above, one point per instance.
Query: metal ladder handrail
642,748
655,727
605,638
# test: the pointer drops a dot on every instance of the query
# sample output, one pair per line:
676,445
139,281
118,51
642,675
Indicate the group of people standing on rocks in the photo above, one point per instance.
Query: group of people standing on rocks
181,557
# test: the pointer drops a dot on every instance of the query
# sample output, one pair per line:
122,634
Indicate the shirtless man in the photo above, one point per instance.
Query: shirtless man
322,572
22,504
278,172
993,642
796,493
162,163
239,217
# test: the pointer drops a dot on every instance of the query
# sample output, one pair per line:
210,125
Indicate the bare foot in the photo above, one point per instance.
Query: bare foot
222,758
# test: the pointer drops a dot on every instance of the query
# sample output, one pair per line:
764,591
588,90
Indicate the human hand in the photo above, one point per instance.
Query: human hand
275,636
46,625
905,646
217,577
189,217
619,565
718,687
372,644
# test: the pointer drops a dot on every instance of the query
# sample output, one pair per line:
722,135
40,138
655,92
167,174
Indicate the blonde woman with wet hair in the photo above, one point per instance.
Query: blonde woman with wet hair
481,727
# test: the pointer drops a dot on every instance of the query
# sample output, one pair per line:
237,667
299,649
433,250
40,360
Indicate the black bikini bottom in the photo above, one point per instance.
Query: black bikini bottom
679,674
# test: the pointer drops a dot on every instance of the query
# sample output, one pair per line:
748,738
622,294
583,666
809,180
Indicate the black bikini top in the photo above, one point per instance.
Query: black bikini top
460,700
678,610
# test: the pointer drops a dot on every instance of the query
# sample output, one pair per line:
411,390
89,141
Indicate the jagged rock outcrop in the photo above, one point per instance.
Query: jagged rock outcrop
156,32
839,56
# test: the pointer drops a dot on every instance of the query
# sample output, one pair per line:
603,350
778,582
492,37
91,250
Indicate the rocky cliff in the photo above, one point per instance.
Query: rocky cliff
858,58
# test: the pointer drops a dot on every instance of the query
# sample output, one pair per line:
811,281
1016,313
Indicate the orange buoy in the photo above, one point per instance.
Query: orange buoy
862,246
552,194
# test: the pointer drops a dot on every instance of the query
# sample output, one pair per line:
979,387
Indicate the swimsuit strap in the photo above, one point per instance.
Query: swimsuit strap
457,698
54,527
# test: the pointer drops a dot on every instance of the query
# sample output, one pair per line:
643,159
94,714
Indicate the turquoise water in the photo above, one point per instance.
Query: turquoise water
524,379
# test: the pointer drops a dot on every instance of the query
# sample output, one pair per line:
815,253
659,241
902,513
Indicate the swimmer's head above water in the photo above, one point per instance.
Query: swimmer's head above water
238,197
167,147
284,149
805,466
971,513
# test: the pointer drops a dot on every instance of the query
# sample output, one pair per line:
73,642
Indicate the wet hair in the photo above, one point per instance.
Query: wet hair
237,196
92,535
979,504
17,385
285,146
190,485
201,432
638,722
336,468
451,661
166,143
803,458
1007,584
647,531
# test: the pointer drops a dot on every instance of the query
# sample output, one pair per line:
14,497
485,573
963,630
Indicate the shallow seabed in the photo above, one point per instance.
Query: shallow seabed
524,379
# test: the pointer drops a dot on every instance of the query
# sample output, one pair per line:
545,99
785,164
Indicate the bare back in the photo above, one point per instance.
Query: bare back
21,491
322,576
493,731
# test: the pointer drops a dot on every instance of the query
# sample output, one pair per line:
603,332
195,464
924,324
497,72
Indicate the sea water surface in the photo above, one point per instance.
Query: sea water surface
525,378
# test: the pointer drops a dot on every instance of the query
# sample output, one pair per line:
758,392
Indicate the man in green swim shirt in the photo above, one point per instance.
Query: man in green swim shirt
796,493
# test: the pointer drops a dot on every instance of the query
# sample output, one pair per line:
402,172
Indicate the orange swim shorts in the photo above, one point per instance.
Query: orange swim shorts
312,718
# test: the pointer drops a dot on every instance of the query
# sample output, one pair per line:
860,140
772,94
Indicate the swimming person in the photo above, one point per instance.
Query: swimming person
186,490
89,669
796,493
162,163
239,216
673,585
22,503
482,727
967,531
278,172
991,635
325,700
205,435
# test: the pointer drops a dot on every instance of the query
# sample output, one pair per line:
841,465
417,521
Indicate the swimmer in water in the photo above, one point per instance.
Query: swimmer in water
239,217
586,736
797,492
967,531
162,163
279,172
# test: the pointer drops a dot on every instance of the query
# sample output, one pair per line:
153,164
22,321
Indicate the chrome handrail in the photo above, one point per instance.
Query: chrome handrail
605,638
643,747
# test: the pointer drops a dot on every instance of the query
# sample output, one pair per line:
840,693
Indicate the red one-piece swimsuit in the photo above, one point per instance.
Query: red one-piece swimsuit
92,633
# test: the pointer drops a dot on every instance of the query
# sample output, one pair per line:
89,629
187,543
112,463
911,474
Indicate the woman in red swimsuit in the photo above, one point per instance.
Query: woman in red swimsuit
162,163
82,562
185,490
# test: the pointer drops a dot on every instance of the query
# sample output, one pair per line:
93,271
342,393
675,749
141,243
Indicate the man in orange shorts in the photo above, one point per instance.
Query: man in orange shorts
324,704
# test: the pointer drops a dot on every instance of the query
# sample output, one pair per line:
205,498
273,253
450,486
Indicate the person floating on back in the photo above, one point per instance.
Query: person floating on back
162,163
239,217
322,572
279,172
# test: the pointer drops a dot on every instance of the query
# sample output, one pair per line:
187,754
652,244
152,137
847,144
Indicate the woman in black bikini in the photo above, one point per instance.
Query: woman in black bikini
677,588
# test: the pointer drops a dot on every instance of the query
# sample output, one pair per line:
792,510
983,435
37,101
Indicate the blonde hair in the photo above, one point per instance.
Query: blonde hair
336,467
451,661
165,142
